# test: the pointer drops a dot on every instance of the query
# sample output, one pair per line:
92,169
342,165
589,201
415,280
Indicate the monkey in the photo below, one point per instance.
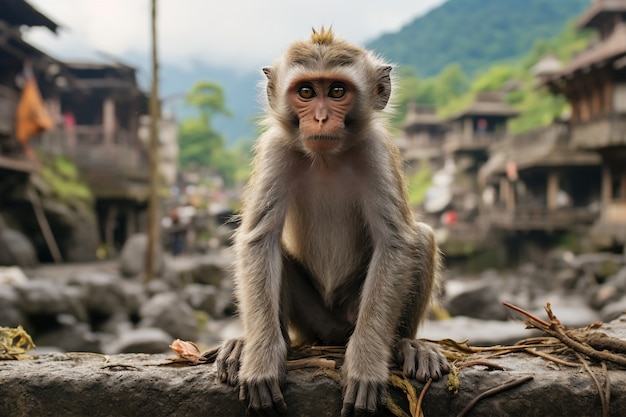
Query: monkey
328,250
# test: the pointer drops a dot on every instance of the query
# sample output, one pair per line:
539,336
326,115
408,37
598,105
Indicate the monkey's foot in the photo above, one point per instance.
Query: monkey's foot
263,396
363,398
421,360
228,361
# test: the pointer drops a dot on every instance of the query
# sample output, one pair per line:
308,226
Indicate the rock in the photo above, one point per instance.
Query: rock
605,294
12,275
141,340
613,310
46,298
133,256
134,297
69,335
213,269
103,293
479,300
201,297
157,286
169,312
116,324
602,265
76,386
567,278
16,249
10,312
613,289
75,226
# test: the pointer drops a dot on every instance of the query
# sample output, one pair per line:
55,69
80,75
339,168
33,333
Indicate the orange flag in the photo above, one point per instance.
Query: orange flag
32,116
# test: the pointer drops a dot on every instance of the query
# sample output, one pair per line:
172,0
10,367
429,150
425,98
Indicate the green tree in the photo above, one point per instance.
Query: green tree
449,84
199,142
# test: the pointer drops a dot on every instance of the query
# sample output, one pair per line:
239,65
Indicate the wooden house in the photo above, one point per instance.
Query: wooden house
536,181
423,137
94,112
14,54
594,83
480,125
470,136
99,116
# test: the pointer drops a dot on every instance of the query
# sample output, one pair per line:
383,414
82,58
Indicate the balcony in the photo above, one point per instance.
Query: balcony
541,218
600,133
118,168
472,142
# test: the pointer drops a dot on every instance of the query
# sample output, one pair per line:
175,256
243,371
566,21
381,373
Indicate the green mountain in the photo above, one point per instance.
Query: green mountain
475,33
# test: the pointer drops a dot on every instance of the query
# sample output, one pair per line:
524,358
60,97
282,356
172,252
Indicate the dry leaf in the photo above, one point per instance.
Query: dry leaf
187,350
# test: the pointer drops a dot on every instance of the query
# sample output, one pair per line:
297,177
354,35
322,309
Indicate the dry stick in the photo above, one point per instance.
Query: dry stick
552,358
494,391
601,341
607,385
582,348
309,363
603,403
480,362
420,399
555,329
527,314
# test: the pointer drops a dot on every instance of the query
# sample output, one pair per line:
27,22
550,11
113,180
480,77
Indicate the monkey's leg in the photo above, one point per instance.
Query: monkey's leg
309,317
420,359
394,298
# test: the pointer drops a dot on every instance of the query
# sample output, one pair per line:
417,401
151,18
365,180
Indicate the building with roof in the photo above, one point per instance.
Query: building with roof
594,83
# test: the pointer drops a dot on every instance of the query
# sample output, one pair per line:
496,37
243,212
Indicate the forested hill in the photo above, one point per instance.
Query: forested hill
475,33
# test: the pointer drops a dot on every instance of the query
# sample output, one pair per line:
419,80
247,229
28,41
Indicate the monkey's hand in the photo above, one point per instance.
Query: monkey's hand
421,360
364,382
228,361
263,396
362,398
260,394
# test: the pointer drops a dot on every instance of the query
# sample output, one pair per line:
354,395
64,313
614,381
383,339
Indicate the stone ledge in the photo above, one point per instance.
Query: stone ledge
79,384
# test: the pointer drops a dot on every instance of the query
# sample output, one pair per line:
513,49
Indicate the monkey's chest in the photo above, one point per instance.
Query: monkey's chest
325,231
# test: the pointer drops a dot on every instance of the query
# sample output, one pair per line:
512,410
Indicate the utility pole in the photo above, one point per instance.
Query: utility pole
153,202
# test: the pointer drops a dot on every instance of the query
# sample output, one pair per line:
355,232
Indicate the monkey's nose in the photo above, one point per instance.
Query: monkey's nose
321,115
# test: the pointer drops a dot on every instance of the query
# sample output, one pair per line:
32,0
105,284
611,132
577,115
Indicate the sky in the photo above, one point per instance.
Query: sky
242,35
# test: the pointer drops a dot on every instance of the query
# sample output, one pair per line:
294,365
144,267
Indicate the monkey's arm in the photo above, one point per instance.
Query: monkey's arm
368,354
258,285
390,275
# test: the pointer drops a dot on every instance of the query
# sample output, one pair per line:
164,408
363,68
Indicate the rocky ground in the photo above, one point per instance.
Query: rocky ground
105,307
512,384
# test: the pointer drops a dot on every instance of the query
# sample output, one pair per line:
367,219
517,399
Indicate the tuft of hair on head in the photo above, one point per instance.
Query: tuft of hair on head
323,37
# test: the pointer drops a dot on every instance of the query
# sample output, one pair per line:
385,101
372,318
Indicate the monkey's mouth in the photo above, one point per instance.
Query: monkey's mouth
321,142
322,137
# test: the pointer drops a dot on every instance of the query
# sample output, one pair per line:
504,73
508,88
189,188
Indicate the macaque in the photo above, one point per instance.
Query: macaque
328,251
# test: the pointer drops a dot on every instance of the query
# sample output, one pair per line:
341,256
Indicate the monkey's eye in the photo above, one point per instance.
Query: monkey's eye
337,90
306,91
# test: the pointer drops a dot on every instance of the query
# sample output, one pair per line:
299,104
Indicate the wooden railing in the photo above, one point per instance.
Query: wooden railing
88,149
600,132
540,218
458,141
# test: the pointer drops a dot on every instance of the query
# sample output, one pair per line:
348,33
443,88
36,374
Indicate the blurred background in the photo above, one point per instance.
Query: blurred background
510,117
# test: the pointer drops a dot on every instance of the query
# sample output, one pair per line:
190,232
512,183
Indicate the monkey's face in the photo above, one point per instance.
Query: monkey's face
321,105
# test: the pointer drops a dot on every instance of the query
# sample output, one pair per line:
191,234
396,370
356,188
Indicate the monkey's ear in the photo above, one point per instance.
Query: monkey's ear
271,86
383,87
